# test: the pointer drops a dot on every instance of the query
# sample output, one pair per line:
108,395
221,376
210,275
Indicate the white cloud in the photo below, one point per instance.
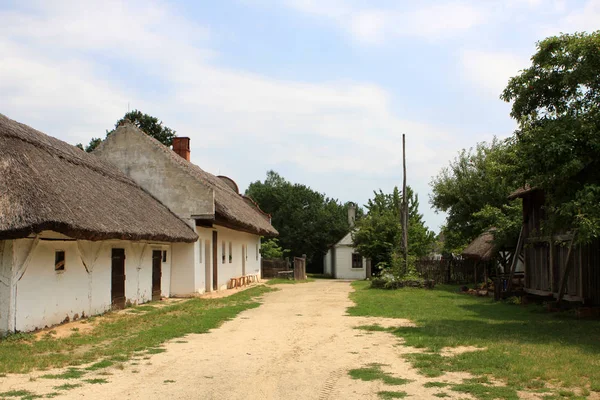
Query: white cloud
490,71
375,25
586,19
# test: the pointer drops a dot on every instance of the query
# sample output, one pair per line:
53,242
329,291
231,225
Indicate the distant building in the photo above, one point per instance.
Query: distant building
342,261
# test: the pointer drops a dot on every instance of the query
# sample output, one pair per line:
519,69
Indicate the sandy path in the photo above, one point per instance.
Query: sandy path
299,344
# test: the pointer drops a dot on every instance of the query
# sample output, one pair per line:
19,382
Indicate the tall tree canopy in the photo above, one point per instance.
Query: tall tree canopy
473,191
378,235
147,123
307,221
556,102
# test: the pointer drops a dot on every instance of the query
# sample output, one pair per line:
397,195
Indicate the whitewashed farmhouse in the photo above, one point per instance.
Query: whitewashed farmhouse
228,225
342,261
77,236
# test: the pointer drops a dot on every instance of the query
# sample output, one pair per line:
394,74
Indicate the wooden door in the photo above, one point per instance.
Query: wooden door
156,274
244,255
215,261
118,279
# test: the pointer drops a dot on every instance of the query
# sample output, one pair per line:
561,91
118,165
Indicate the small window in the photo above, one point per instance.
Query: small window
59,260
164,256
356,260
223,252
230,252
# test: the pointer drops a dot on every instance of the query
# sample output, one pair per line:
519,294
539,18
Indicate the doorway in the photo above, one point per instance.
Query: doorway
156,274
118,279
215,261
244,255
207,266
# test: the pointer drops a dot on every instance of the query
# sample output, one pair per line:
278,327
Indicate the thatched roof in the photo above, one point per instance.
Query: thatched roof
482,248
47,184
521,192
232,210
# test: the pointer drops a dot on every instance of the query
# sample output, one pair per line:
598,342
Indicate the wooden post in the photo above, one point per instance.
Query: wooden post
515,259
404,207
563,278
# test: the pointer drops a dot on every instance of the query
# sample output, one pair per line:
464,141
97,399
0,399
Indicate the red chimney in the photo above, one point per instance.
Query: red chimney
181,146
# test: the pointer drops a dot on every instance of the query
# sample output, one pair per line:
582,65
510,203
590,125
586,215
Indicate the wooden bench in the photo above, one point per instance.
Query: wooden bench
286,275
240,281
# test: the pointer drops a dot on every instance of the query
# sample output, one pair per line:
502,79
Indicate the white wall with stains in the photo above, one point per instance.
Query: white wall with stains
34,295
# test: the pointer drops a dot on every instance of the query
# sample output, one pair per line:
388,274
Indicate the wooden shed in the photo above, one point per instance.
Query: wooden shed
555,265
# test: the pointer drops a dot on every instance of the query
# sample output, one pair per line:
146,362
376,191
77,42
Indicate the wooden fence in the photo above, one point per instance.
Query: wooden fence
452,270
270,268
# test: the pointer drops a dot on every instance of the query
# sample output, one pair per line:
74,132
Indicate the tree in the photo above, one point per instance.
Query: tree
556,103
473,191
378,235
307,221
147,123
271,249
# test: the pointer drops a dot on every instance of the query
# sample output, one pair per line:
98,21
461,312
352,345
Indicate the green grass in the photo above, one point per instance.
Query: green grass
441,394
435,384
96,381
392,395
15,393
374,372
486,392
67,386
120,335
525,346
100,365
277,281
71,373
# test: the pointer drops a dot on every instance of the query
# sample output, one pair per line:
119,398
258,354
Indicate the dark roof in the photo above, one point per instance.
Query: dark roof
482,248
231,209
47,184
521,192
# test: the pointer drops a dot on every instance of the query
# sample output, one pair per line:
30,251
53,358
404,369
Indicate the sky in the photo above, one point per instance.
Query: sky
320,91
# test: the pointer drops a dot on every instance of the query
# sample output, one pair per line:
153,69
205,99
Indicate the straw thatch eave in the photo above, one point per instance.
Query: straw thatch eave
47,184
482,248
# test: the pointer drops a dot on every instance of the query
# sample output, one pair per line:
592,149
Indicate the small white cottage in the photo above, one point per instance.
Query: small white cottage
77,236
229,225
342,261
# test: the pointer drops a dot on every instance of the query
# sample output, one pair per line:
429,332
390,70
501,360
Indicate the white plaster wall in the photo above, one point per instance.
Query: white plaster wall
343,264
46,297
183,269
232,269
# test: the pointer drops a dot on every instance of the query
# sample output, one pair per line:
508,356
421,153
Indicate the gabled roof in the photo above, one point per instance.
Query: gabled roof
47,184
231,209
521,192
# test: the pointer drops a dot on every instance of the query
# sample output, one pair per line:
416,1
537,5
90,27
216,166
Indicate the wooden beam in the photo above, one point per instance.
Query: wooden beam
563,278
515,259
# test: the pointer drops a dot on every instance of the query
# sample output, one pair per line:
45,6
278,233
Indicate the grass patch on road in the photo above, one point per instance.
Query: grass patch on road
524,346
120,335
277,281
374,372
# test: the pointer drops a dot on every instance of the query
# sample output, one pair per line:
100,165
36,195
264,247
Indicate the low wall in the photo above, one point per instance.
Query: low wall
270,268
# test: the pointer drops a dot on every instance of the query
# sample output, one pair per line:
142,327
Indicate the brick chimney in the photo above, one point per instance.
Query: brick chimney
181,146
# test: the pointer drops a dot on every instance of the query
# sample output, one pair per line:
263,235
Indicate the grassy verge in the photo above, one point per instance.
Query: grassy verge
120,335
277,281
524,346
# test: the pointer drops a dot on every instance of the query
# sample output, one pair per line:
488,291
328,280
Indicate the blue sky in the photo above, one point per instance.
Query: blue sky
320,91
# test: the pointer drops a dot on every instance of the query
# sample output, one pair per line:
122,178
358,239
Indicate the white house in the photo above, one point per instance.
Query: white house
77,236
228,225
342,261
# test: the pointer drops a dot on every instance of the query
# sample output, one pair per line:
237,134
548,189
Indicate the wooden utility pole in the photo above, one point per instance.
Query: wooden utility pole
404,212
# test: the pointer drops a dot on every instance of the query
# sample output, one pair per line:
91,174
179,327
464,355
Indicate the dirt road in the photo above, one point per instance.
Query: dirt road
299,344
